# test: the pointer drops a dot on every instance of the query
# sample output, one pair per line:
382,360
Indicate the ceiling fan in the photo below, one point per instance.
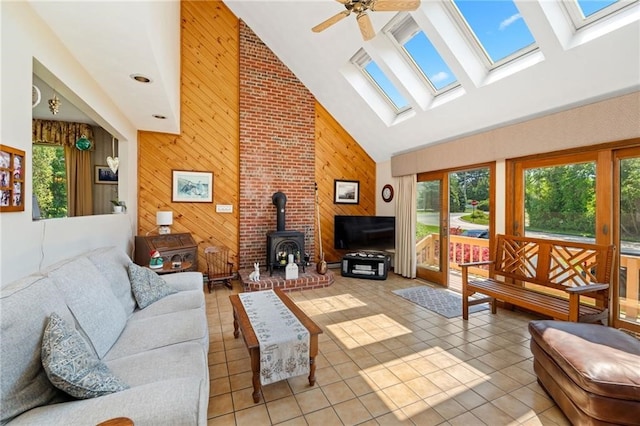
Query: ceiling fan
360,8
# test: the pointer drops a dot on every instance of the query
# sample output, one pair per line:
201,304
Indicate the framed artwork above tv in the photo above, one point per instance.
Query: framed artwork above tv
346,192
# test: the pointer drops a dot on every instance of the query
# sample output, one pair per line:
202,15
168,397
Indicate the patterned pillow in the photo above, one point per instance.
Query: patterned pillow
147,286
71,366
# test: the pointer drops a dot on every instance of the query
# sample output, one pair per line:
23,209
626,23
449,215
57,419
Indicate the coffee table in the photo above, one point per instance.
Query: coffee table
241,323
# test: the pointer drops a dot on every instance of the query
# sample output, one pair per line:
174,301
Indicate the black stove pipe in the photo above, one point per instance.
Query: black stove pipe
279,200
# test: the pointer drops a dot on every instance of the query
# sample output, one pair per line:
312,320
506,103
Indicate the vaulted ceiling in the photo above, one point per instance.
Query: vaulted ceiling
113,40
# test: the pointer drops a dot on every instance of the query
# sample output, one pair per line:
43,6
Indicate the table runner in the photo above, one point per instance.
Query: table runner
284,341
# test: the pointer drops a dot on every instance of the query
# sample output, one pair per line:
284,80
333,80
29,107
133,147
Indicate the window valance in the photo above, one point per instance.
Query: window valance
62,133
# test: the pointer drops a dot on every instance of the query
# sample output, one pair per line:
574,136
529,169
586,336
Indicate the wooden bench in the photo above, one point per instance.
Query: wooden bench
562,271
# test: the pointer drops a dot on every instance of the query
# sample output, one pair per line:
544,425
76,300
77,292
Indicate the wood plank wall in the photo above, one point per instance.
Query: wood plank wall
338,156
209,132
209,141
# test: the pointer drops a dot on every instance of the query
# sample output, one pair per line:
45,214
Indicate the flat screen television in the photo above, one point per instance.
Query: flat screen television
364,233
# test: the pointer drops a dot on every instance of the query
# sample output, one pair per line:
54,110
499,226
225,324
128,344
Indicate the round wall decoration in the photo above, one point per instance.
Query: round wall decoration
35,96
387,193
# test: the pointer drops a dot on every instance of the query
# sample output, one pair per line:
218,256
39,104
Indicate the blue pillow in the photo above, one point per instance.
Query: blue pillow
71,366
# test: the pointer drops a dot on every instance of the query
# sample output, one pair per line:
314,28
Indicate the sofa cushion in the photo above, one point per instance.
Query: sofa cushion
147,286
112,262
181,301
187,359
167,402
25,306
89,296
145,334
71,366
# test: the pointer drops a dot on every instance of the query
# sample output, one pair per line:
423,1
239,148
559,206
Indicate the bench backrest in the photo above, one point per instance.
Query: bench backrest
553,263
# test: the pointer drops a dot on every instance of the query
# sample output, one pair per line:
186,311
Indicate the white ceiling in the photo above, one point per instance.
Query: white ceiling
115,39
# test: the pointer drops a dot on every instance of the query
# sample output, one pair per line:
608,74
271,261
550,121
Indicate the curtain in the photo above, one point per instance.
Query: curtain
79,182
50,132
405,257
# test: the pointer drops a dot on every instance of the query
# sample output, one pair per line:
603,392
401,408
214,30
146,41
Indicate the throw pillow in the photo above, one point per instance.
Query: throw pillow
71,366
147,286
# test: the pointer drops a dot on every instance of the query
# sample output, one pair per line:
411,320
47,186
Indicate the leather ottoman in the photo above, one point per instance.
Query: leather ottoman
591,371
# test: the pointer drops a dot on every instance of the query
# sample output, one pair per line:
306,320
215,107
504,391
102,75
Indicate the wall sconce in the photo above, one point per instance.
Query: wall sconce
164,220
54,104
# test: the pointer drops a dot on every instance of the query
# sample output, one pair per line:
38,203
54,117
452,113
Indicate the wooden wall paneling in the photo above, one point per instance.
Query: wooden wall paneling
338,156
209,131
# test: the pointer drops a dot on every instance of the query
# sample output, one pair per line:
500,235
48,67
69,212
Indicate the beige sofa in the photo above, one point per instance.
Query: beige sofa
159,352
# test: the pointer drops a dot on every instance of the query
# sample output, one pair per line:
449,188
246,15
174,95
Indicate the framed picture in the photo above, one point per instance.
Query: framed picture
346,192
11,179
103,174
192,187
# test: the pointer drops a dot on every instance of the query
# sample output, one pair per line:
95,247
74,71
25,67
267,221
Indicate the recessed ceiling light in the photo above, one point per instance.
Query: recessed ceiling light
159,117
140,78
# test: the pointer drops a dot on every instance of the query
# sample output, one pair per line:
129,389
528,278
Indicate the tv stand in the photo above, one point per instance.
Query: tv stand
371,265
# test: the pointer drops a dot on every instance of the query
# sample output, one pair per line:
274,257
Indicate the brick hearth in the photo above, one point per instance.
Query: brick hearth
306,280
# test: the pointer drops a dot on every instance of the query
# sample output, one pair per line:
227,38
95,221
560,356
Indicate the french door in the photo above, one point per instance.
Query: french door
454,222
432,227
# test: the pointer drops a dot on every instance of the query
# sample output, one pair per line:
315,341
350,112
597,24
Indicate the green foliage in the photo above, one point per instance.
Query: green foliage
483,206
50,180
561,198
467,186
478,217
423,230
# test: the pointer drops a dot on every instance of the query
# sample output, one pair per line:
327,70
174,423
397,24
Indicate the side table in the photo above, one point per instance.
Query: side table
172,247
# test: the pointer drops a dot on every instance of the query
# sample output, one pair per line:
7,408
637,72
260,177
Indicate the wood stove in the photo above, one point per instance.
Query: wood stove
281,243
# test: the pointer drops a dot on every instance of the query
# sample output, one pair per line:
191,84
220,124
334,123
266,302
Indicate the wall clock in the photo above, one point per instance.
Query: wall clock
387,193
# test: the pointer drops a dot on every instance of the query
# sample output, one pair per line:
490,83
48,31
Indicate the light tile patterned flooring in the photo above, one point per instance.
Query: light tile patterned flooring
384,361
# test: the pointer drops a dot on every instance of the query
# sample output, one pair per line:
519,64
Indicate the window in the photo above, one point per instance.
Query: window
381,82
496,29
50,180
585,12
423,56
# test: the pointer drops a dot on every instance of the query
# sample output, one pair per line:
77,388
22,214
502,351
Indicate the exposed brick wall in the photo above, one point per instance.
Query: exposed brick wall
277,149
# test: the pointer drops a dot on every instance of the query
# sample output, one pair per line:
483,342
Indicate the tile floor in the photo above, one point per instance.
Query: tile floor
384,361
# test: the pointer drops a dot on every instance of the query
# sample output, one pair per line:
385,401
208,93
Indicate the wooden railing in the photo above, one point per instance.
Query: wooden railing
461,250
468,249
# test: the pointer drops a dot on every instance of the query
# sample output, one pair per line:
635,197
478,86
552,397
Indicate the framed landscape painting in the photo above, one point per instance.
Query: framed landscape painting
192,187
346,192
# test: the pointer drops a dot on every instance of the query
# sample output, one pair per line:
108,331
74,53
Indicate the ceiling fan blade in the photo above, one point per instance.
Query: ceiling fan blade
366,28
326,24
393,5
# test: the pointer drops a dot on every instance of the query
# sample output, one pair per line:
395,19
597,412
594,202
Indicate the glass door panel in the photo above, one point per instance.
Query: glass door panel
627,297
560,202
431,230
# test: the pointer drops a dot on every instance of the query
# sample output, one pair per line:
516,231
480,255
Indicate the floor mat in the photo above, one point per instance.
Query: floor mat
441,301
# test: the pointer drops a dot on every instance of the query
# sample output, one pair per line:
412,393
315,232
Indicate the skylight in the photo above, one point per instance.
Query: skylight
422,55
497,28
381,82
585,12
589,7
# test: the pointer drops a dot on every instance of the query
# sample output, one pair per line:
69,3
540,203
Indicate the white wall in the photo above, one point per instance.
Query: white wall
383,177
27,246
